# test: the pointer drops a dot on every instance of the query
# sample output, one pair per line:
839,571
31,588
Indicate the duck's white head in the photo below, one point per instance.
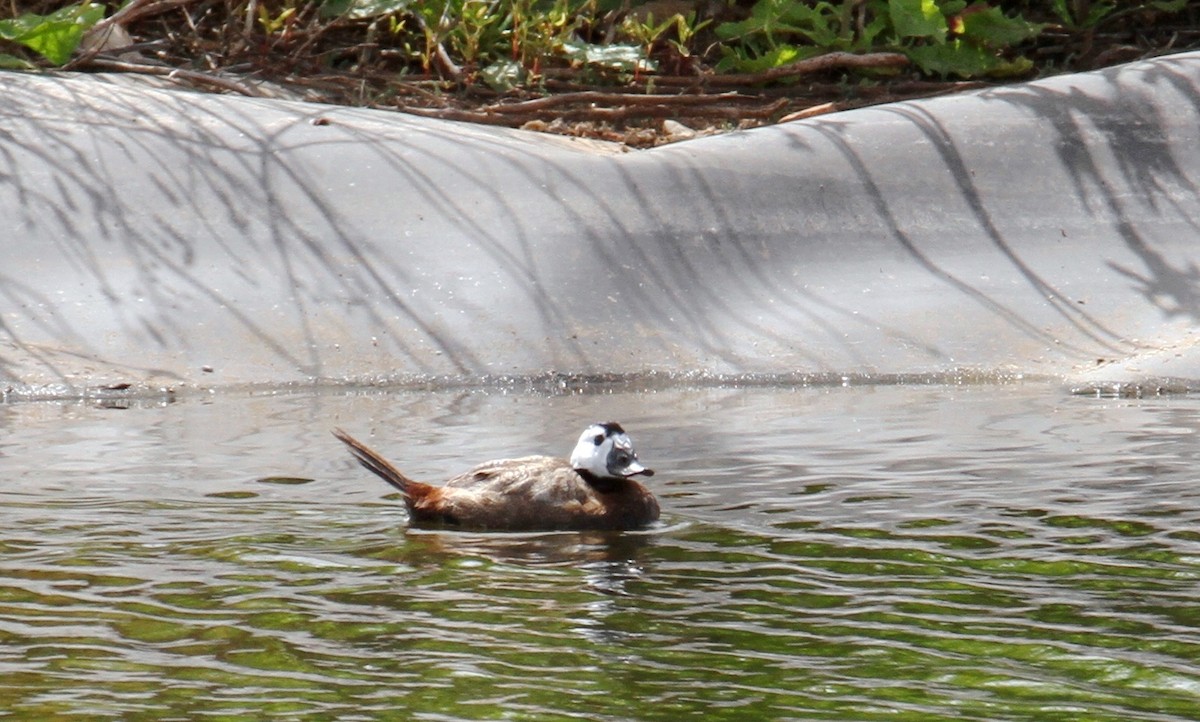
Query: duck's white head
605,451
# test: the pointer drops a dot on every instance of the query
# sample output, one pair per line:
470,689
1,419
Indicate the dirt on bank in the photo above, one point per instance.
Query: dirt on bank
217,45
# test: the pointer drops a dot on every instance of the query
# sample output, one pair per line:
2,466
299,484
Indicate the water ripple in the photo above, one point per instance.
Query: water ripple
940,553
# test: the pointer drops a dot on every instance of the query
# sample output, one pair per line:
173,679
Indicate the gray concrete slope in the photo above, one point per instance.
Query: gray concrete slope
158,237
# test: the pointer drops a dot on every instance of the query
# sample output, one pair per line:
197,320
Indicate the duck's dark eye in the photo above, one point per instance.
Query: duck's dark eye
598,439
623,459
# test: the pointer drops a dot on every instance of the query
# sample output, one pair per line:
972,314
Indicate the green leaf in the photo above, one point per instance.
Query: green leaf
503,75
953,58
12,62
773,58
959,57
54,36
991,27
917,19
613,57
766,18
874,29
778,21
1063,12
1011,68
820,24
1095,13
362,9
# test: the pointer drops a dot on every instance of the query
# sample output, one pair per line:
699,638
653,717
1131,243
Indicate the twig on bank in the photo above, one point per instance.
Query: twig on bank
594,97
138,10
828,61
96,40
667,111
617,110
193,76
467,116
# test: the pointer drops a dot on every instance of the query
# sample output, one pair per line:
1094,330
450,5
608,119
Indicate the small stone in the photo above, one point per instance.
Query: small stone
677,131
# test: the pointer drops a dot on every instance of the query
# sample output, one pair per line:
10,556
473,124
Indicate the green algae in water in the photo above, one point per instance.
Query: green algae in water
989,556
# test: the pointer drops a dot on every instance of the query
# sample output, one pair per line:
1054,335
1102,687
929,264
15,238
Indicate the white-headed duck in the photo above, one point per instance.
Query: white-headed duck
594,490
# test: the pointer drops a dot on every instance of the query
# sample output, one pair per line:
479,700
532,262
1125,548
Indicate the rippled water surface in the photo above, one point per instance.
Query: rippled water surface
1002,552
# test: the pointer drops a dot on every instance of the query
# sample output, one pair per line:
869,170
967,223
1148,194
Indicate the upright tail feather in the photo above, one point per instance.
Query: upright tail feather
380,467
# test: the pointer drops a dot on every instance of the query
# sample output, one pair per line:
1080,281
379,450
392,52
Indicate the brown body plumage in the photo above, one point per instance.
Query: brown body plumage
528,493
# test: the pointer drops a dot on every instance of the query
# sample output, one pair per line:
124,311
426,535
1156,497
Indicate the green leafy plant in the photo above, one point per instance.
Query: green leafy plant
624,58
54,36
504,41
1085,15
540,28
512,43
778,32
972,42
678,31
272,24
940,36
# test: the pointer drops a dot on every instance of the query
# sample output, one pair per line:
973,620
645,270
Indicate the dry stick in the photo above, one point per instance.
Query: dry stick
251,12
811,111
604,114
455,114
440,59
313,36
135,10
139,9
828,61
905,87
169,72
666,111
593,96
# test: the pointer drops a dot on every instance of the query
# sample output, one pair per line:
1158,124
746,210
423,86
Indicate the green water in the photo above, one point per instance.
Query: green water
896,553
